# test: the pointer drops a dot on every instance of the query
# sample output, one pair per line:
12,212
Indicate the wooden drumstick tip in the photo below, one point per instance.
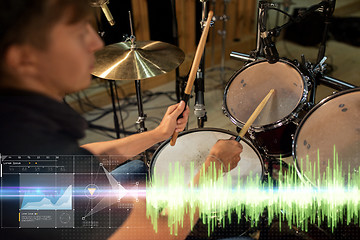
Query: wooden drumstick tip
256,113
173,138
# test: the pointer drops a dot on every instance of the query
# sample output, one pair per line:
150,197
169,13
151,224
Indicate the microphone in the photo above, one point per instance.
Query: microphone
199,107
270,51
105,9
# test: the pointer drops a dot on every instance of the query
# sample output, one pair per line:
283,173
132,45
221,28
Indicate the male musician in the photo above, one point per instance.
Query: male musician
47,51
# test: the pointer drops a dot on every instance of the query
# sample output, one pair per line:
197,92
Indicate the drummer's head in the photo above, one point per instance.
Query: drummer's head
46,46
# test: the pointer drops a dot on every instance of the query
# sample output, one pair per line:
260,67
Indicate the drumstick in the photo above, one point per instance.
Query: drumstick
254,115
194,68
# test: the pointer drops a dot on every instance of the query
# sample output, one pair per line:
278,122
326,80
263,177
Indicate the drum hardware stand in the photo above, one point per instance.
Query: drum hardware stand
114,95
328,10
258,53
331,82
261,24
264,36
335,83
112,84
224,18
262,33
199,107
320,67
242,57
179,81
316,75
142,116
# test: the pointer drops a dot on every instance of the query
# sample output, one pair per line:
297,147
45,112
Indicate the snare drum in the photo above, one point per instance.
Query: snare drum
333,122
273,129
194,146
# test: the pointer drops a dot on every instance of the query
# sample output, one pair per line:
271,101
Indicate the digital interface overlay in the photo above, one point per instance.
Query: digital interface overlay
65,192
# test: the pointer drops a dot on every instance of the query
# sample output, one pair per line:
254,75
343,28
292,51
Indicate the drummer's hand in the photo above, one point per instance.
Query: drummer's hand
170,123
228,151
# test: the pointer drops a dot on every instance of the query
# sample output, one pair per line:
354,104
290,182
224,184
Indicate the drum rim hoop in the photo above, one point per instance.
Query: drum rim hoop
306,117
162,145
279,122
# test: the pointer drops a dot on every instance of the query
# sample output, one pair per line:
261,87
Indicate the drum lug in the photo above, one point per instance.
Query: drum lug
308,106
296,121
224,111
265,151
295,115
308,81
251,133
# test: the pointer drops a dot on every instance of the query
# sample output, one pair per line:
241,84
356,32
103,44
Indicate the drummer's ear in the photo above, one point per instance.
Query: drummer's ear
21,61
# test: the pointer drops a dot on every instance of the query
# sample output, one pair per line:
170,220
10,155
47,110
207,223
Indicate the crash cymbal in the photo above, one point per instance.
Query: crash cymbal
121,61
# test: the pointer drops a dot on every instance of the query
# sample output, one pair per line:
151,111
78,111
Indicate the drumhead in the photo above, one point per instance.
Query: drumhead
194,145
334,122
247,88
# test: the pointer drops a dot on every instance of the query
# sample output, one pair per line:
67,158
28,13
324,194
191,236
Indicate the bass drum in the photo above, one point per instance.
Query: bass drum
194,145
333,125
273,129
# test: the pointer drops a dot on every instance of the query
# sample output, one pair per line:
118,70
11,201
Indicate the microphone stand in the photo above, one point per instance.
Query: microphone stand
328,11
199,107
258,53
260,27
316,73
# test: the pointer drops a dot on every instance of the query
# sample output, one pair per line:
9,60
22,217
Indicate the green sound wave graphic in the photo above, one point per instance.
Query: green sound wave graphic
331,197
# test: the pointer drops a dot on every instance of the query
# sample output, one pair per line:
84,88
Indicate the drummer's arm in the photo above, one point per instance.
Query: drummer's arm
137,143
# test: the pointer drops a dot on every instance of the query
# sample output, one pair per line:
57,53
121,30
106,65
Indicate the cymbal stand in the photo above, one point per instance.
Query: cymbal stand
113,92
224,18
140,122
142,116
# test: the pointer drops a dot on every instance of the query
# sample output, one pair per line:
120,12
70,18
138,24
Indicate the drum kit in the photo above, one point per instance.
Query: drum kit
291,124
